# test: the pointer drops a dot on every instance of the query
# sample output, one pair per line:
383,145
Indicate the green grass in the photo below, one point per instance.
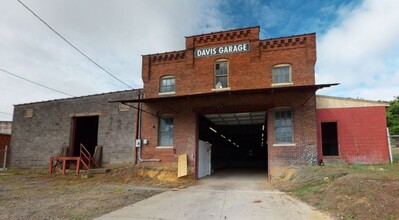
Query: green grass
395,154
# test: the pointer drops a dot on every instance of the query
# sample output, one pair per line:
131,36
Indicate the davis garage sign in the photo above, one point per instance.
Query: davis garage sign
220,50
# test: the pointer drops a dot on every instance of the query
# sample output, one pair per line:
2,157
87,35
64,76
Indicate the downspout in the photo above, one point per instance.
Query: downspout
138,130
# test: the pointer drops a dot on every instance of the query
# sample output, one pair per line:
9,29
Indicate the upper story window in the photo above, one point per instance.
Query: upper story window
221,74
282,74
167,84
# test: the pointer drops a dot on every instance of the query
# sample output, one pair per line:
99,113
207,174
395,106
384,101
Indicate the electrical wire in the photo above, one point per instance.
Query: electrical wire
64,93
36,83
6,113
83,54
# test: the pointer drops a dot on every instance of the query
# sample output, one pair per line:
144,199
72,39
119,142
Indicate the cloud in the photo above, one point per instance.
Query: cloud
362,52
114,34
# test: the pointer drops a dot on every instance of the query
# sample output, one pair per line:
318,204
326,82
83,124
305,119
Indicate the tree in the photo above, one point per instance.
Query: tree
393,116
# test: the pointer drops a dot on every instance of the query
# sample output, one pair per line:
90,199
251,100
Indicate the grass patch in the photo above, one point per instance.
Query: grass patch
348,191
395,154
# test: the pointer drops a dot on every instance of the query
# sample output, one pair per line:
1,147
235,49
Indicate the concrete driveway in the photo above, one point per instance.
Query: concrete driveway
228,195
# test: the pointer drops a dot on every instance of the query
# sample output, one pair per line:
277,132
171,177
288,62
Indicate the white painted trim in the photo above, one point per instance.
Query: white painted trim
219,90
283,84
284,145
166,93
164,147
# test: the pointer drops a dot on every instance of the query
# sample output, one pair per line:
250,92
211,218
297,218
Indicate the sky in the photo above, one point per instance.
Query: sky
357,42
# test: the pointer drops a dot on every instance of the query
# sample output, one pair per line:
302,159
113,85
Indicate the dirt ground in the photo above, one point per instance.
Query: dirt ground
35,194
348,191
344,191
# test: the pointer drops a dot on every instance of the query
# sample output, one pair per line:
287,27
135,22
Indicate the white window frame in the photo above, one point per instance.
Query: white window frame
169,133
284,143
290,82
226,75
160,85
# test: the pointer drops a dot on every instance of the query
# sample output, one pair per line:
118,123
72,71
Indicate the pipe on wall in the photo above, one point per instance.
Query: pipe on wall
138,129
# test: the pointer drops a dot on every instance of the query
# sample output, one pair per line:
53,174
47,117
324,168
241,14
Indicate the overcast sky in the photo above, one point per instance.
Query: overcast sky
357,41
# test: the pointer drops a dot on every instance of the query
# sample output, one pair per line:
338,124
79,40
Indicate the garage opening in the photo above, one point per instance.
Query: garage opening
232,141
85,131
329,138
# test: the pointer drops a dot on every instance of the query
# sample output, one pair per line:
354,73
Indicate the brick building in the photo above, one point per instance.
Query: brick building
228,100
41,129
252,100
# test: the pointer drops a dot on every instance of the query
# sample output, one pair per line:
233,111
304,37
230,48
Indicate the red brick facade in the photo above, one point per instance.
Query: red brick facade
248,71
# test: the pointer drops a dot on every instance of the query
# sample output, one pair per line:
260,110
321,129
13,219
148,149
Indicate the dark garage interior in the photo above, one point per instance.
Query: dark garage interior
238,140
85,131
329,138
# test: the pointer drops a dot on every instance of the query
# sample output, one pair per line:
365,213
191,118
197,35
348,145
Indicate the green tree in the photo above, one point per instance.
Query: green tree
393,116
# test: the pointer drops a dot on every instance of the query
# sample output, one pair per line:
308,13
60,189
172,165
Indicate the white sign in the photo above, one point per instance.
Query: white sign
219,50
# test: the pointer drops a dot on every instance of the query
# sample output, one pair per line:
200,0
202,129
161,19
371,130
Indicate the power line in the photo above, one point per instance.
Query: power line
6,113
83,54
36,83
44,86
72,96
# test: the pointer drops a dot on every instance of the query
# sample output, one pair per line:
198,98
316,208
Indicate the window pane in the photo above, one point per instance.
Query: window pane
167,85
281,74
165,136
222,80
221,74
283,126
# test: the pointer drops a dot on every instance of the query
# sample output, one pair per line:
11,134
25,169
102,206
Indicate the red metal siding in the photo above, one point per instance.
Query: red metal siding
362,133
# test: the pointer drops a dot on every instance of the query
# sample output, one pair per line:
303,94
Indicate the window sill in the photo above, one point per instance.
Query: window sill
164,147
283,84
284,145
221,89
166,93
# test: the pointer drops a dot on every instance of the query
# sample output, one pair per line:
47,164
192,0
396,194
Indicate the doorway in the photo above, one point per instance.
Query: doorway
234,141
84,131
329,138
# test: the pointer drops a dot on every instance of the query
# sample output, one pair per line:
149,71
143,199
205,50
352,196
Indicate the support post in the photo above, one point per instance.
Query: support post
389,146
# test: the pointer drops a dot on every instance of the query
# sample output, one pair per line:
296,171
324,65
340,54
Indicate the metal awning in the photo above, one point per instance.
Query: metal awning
242,118
233,92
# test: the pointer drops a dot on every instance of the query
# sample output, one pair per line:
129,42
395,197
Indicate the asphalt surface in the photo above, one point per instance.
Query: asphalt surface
233,195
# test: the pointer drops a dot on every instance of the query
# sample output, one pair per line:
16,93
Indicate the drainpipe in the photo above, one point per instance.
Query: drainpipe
138,130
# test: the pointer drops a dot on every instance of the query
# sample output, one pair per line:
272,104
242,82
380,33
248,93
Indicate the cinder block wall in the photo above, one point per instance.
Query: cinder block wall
35,139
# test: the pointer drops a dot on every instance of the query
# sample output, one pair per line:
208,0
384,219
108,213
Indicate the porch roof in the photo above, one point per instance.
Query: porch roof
270,90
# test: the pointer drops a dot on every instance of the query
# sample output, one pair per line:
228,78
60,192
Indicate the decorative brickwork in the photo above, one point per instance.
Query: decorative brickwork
171,56
217,38
286,42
